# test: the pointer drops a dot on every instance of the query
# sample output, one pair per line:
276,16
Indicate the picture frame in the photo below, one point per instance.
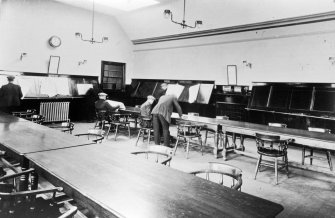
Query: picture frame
53,64
232,74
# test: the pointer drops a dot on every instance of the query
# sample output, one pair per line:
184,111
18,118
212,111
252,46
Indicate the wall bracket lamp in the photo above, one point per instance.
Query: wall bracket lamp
82,62
23,54
247,64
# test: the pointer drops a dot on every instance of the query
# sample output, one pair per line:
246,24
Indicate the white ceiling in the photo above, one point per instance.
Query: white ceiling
149,22
87,4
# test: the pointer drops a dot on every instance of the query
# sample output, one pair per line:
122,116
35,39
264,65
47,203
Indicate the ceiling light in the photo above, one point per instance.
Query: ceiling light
168,13
91,40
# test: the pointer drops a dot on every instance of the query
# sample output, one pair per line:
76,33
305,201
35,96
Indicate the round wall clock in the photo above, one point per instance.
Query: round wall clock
55,41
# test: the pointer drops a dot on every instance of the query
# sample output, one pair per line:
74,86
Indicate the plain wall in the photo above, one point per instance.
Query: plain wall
26,26
287,54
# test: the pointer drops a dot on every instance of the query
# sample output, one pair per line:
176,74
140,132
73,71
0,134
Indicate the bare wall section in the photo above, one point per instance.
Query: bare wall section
26,26
287,54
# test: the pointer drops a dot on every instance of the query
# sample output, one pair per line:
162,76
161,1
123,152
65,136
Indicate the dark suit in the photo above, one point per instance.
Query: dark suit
10,97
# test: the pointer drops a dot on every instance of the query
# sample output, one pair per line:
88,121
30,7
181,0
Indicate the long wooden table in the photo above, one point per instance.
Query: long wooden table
20,138
28,137
115,184
304,137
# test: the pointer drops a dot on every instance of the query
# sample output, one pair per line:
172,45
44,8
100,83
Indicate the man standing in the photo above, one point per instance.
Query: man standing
10,96
162,117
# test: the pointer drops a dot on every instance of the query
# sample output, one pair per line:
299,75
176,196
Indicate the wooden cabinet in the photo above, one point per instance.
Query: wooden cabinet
231,101
112,76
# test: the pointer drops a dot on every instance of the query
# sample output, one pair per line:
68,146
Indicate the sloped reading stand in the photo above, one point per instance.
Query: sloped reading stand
298,105
193,95
46,87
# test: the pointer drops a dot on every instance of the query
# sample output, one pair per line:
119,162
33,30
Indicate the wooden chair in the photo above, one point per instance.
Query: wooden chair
101,117
311,156
118,121
64,126
20,196
36,118
272,146
97,134
146,129
24,114
157,152
279,125
24,200
223,170
188,131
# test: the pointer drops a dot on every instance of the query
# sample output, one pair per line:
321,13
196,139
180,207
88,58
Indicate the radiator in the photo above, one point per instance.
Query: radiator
55,111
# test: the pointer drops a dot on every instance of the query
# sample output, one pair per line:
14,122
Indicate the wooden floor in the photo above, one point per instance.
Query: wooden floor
304,194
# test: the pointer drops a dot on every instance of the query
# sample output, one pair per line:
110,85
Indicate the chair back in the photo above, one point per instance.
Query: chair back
101,115
36,118
119,117
24,199
322,130
271,145
98,134
188,129
145,122
24,114
222,173
281,125
160,154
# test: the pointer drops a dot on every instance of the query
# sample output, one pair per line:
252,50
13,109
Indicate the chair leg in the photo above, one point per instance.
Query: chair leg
311,159
116,129
199,138
303,155
286,164
276,170
149,132
329,158
129,129
175,147
96,124
206,137
138,136
109,128
258,164
188,147
242,142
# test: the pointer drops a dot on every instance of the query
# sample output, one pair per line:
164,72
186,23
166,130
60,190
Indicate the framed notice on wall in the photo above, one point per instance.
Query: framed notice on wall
232,74
53,64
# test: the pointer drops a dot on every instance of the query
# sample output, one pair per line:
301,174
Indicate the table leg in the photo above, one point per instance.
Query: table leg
224,143
217,149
